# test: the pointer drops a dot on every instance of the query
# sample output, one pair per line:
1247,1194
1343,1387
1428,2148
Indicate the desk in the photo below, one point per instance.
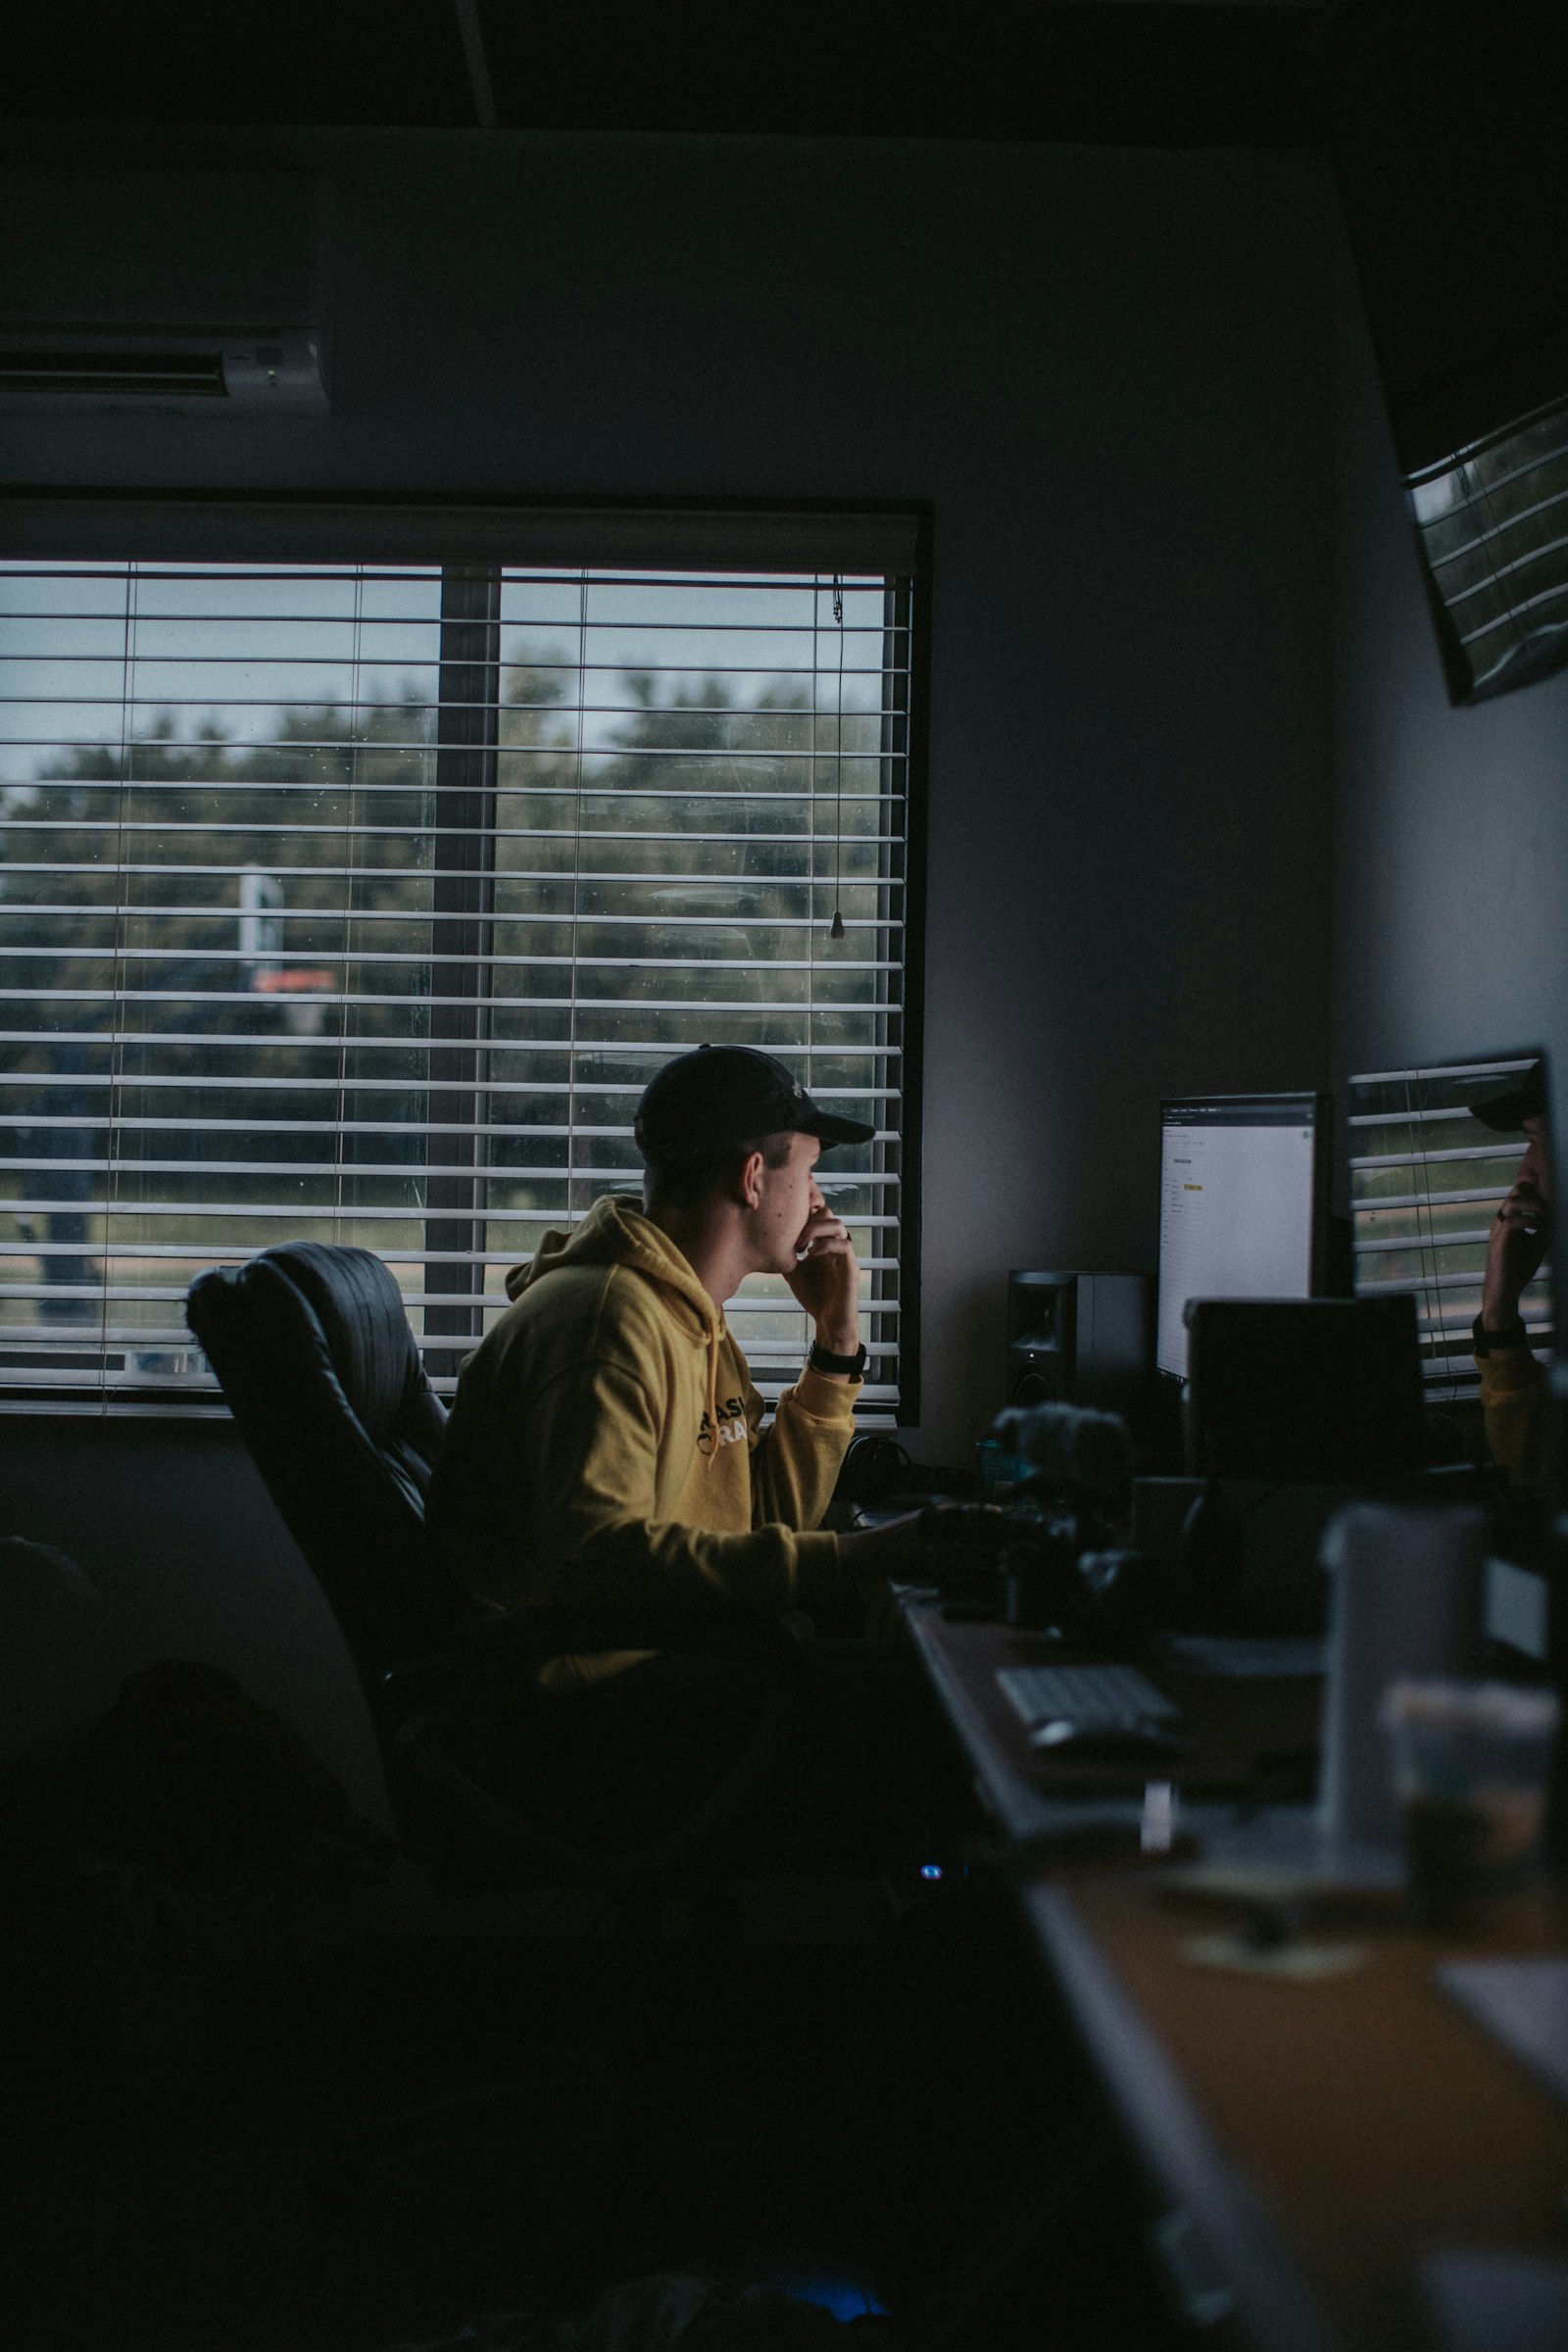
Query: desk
1303,2146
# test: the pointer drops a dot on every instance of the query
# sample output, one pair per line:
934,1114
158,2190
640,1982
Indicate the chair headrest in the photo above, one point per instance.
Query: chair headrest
319,1368
359,1309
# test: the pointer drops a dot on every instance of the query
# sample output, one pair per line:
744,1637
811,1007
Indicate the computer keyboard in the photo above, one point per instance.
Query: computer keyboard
1094,1698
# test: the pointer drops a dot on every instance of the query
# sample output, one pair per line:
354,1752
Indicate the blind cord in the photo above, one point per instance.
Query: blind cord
576,895
345,1009
810,841
835,929
116,1026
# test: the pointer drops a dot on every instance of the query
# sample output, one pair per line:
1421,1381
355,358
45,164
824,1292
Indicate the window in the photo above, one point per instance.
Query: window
1426,1180
1493,527
358,900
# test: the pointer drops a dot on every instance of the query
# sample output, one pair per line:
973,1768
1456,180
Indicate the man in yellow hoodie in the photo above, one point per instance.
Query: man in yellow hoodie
605,1448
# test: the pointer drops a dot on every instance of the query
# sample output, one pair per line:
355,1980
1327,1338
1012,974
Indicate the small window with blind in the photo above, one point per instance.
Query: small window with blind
358,900
1492,523
1426,1177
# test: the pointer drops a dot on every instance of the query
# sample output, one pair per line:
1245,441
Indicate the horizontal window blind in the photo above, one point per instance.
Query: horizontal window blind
1493,527
359,903
1426,1179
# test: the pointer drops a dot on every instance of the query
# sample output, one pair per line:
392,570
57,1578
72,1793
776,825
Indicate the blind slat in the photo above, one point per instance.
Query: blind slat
319,788
514,962
606,1047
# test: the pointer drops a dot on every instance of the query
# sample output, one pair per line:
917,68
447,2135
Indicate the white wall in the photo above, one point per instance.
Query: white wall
176,1529
1450,825
1108,372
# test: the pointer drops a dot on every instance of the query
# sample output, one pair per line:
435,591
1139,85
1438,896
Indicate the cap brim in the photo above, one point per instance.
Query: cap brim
829,1129
1505,1114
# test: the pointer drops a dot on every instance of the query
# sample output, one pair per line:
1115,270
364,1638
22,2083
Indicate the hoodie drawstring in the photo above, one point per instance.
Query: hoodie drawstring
711,1455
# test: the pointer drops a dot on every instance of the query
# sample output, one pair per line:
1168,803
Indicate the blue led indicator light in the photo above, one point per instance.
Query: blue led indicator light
930,1870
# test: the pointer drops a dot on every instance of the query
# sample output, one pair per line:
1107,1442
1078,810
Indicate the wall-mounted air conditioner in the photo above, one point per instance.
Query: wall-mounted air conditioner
201,293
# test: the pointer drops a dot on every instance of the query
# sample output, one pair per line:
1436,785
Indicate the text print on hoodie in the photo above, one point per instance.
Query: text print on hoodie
606,1447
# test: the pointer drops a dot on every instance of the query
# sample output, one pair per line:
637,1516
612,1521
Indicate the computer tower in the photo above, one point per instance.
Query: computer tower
1076,1339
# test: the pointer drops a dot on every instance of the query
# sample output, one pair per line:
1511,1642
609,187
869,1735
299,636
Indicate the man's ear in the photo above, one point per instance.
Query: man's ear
752,1180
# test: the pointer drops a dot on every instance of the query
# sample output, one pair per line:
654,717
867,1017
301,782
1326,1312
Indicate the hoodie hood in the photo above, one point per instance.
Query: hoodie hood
615,1233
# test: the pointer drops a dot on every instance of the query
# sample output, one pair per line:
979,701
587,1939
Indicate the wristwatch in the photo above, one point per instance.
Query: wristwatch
822,1359
1487,1343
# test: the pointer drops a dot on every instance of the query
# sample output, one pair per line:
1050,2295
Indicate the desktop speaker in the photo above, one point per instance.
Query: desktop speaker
1075,1338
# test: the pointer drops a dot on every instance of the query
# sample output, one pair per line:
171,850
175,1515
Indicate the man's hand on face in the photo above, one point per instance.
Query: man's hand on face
1520,1233
827,1280
1517,1242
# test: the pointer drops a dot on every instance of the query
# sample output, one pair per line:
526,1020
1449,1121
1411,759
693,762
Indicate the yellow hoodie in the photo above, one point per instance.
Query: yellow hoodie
1514,1407
606,1451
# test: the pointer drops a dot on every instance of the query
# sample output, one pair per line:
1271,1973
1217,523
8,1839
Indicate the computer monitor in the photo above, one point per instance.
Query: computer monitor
1242,1205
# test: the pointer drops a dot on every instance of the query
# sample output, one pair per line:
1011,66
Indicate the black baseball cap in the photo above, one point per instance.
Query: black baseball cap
1505,1113
725,1097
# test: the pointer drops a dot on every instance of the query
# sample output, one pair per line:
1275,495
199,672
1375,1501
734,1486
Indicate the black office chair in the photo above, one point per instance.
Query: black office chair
312,1346
313,1350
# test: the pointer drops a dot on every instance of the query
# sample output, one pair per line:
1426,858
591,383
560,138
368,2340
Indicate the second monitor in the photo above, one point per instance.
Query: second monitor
1242,1205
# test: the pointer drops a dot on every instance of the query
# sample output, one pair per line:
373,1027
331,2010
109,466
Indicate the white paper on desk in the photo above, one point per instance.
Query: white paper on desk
1247,1659
1524,2004
1479,2302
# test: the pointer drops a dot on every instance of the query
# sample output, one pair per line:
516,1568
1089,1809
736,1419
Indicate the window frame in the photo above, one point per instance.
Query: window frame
472,542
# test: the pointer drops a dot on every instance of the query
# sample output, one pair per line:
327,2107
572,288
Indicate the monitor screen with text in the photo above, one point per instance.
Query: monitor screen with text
1238,1204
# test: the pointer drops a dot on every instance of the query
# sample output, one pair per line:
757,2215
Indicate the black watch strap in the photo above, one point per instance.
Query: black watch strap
1487,1343
822,1359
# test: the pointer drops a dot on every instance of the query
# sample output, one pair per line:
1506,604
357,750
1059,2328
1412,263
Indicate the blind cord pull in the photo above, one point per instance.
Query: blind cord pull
835,929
